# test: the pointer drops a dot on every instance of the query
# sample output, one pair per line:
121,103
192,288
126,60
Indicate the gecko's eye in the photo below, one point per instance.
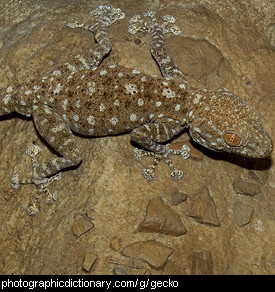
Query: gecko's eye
232,139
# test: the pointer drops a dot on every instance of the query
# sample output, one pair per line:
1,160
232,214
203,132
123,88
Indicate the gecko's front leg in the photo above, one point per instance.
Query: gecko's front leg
151,136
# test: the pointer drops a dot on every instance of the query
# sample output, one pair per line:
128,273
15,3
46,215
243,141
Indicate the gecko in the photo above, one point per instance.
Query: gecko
96,100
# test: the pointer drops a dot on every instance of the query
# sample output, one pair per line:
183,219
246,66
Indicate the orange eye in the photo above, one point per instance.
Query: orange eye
232,139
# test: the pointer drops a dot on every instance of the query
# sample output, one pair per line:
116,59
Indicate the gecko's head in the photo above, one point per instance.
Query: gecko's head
226,123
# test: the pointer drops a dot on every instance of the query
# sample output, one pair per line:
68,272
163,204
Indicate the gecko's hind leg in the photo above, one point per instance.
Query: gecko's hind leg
157,44
59,136
103,16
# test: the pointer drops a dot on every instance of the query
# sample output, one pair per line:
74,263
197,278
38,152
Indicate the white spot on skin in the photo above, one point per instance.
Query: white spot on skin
113,66
9,89
101,107
91,87
197,129
113,120
158,103
58,88
177,107
164,83
151,116
103,72
91,120
47,111
6,99
58,128
64,105
36,88
22,102
44,121
76,117
70,77
140,102
182,86
71,67
133,117
197,98
120,74
56,73
77,104
135,71
117,102
143,79
168,93
131,88
27,92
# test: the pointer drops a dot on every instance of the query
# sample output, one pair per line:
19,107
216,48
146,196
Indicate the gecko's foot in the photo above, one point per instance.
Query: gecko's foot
149,173
138,24
105,13
41,184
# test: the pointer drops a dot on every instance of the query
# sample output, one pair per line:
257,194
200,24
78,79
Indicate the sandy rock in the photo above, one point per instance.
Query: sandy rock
153,252
237,269
81,225
161,218
173,269
88,261
203,208
260,176
202,263
114,244
178,197
120,271
246,188
242,214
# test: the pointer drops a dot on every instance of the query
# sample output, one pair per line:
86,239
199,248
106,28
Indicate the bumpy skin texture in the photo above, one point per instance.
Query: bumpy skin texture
114,99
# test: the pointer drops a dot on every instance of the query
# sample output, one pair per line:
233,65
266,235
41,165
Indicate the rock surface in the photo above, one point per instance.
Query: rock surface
202,263
248,188
88,261
153,252
203,208
161,218
81,225
224,44
242,214
177,198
